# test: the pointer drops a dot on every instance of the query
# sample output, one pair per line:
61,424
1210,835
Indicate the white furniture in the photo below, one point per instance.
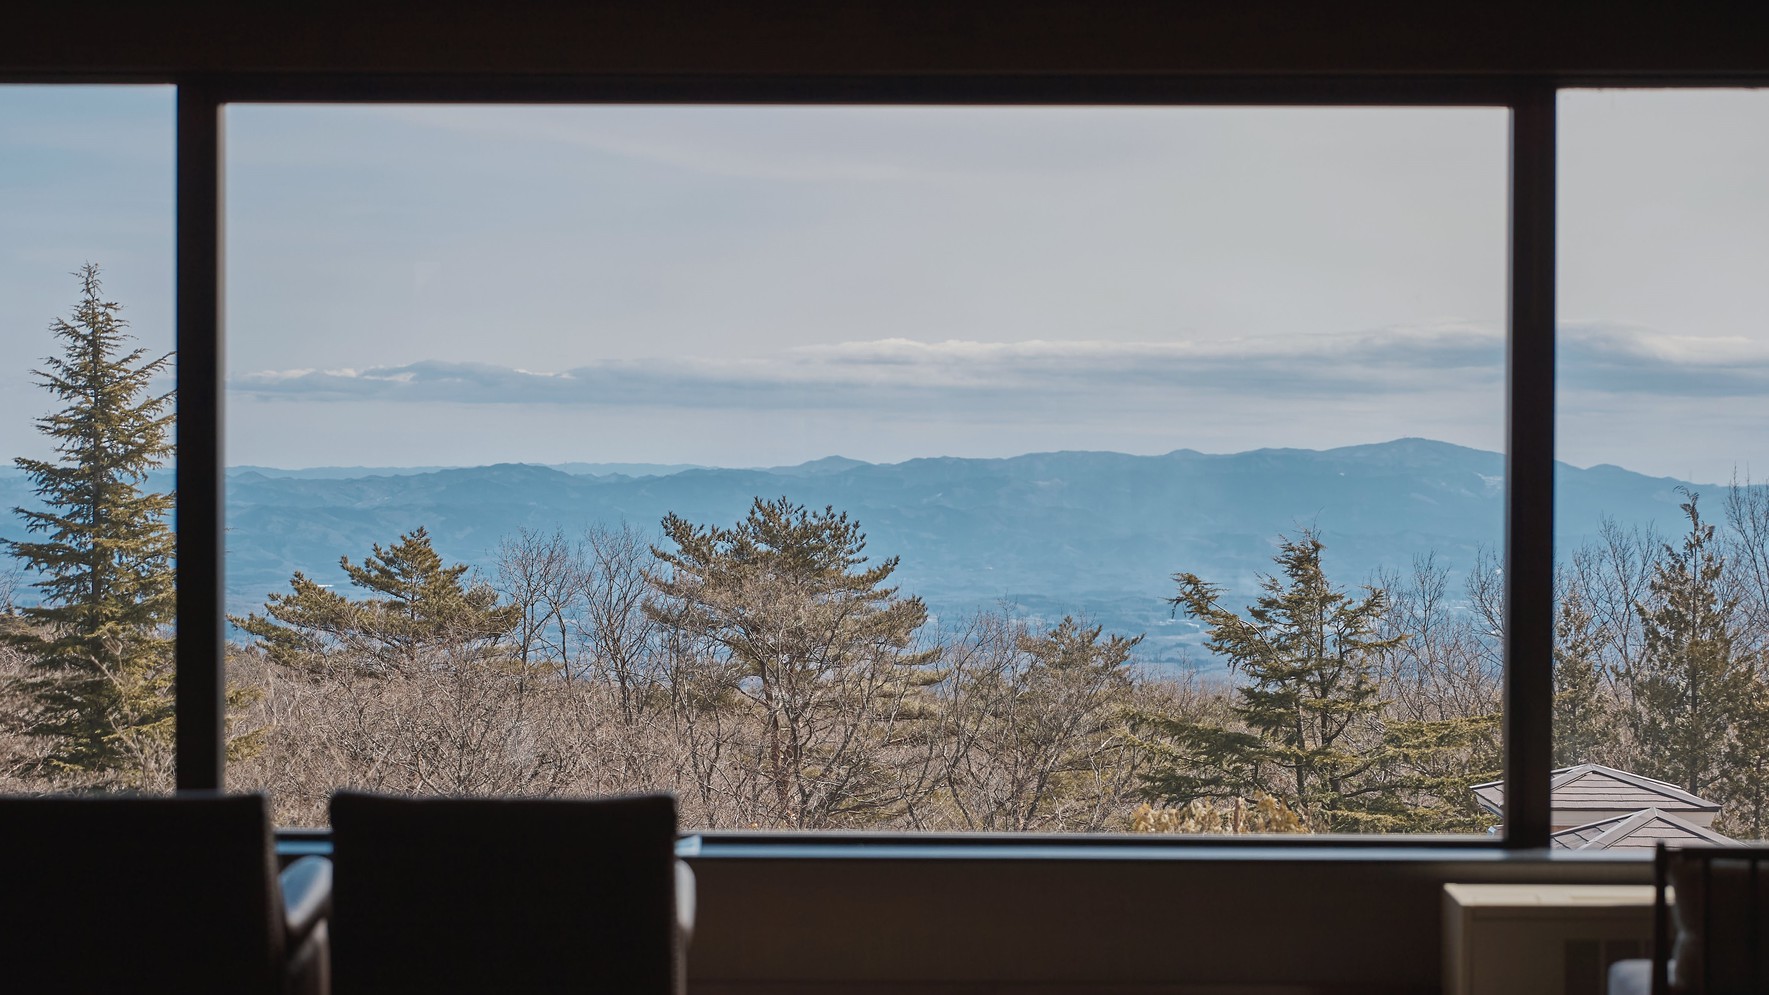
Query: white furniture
1538,939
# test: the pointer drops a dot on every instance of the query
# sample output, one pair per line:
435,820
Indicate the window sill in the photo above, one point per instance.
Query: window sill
739,846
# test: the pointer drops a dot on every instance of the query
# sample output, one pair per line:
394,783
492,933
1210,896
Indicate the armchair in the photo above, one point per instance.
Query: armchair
103,894
441,895
1710,925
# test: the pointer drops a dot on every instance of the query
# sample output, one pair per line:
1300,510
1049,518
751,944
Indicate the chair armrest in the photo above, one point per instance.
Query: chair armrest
307,897
684,903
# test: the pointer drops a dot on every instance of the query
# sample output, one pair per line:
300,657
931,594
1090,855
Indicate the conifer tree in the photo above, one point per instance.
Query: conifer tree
1045,728
1689,679
1584,730
1309,730
418,605
1744,767
816,641
99,681
1071,694
1430,766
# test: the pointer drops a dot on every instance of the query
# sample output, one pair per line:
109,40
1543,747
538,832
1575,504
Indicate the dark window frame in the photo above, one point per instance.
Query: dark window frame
1530,381
201,338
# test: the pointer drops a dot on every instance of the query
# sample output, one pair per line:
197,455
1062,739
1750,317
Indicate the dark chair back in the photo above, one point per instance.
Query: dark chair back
138,894
440,895
1712,936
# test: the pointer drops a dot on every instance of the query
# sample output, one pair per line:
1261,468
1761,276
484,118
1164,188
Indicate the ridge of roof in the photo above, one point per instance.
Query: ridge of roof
1567,775
1628,825
1583,833
1490,795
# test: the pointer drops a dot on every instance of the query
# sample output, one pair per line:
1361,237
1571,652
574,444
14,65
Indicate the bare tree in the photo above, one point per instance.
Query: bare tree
540,573
624,641
1448,666
1747,543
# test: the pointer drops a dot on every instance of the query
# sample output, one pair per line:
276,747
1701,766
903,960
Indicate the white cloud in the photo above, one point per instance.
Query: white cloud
899,370
1622,359
1403,363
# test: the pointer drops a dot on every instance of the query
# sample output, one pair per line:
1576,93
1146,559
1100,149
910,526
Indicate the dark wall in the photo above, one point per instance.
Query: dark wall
1205,921
1364,924
887,36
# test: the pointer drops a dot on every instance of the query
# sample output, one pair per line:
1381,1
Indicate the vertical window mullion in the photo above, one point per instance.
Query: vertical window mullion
1529,473
201,636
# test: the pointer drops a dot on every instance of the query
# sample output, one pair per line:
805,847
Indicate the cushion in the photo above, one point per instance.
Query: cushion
1630,977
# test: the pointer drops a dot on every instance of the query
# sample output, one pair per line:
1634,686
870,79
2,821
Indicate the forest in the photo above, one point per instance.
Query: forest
770,674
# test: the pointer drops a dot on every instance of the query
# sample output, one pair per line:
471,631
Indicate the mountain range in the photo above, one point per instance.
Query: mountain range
1098,534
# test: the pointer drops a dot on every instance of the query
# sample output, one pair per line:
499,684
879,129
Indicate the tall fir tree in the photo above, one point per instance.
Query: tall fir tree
1309,712
1689,680
99,682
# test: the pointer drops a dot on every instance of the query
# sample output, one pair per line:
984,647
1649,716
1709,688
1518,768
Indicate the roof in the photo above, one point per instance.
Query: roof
1643,830
1596,788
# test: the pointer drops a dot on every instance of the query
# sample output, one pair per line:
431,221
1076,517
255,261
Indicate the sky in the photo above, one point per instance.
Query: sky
742,286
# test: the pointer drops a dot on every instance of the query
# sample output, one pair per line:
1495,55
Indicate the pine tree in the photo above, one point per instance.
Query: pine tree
422,606
1688,680
100,675
1309,712
816,642
1045,724
1068,708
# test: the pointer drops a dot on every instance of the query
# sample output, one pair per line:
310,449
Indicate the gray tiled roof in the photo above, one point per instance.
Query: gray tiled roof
1578,837
1643,830
1596,788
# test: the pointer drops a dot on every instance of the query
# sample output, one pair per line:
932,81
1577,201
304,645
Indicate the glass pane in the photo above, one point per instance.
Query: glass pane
86,598
555,434
1663,535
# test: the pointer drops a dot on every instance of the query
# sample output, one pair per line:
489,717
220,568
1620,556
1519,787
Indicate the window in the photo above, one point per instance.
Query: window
1525,199
1046,358
1661,526
85,593
974,920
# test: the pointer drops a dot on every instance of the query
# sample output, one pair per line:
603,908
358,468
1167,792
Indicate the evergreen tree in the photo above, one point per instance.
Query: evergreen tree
99,682
1309,731
1070,698
816,643
1584,729
1046,730
1744,767
1688,679
1431,765
419,606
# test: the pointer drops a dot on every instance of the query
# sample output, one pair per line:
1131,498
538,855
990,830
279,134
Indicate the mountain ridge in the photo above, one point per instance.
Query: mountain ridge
1092,532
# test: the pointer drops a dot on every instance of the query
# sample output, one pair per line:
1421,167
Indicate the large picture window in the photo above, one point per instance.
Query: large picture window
1131,469
1147,469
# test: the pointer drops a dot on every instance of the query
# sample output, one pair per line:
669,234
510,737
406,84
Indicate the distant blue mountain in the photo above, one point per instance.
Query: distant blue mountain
576,469
1092,533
